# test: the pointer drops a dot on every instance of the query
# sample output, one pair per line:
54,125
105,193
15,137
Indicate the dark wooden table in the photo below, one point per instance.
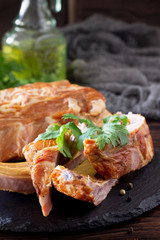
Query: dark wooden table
146,226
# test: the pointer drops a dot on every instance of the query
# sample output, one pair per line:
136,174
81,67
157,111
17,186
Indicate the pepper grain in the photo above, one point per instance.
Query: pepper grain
122,192
130,185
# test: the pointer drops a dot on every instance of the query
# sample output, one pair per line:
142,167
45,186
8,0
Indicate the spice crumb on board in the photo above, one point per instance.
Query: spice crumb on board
122,192
130,185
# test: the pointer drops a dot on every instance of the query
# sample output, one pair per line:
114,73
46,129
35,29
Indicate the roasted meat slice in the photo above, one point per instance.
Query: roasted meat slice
92,173
82,183
113,162
42,157
26,111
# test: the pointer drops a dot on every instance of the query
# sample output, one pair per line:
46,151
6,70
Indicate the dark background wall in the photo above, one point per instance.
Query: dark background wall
147,11
9,10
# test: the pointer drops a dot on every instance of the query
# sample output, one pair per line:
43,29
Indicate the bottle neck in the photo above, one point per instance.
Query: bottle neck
35,15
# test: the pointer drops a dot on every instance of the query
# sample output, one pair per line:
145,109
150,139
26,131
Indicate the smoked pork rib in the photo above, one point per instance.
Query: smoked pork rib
113,162
110,163
42,157
82,183
26,111
93,172
15,177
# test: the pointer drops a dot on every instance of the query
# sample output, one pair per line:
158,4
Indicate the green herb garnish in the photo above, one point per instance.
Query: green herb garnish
113,132
58,132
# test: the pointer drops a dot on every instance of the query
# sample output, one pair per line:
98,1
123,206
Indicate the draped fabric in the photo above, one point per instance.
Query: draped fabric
120,60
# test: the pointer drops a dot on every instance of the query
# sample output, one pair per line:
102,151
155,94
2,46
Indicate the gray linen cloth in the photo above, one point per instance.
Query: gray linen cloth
120,60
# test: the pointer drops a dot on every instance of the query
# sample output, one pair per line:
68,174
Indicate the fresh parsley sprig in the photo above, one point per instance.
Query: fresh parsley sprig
90,131
113,132
58,132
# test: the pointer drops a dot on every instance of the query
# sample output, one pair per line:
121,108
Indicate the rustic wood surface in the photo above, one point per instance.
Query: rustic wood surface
146,226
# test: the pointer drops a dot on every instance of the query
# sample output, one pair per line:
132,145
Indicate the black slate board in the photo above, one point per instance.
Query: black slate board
22,213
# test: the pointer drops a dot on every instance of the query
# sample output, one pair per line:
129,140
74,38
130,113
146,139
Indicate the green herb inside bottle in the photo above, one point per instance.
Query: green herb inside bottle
36,44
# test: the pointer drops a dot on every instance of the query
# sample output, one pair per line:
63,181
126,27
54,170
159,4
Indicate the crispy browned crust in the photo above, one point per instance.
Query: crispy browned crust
115,162
32,148
41,157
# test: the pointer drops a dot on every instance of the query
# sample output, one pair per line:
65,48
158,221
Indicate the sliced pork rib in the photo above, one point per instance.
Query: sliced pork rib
15,177
114,162
26,111
81,183
42,157
92,173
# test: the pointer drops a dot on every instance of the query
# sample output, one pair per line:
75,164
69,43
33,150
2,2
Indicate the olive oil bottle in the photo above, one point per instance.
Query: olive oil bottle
36,43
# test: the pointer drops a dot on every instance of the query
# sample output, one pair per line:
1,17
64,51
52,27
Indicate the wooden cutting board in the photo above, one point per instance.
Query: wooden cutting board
22,213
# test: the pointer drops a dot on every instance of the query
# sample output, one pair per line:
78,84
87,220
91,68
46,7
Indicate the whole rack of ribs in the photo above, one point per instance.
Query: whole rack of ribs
26,111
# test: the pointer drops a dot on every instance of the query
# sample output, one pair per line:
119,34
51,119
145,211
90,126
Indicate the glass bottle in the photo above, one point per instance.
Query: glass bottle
36,43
